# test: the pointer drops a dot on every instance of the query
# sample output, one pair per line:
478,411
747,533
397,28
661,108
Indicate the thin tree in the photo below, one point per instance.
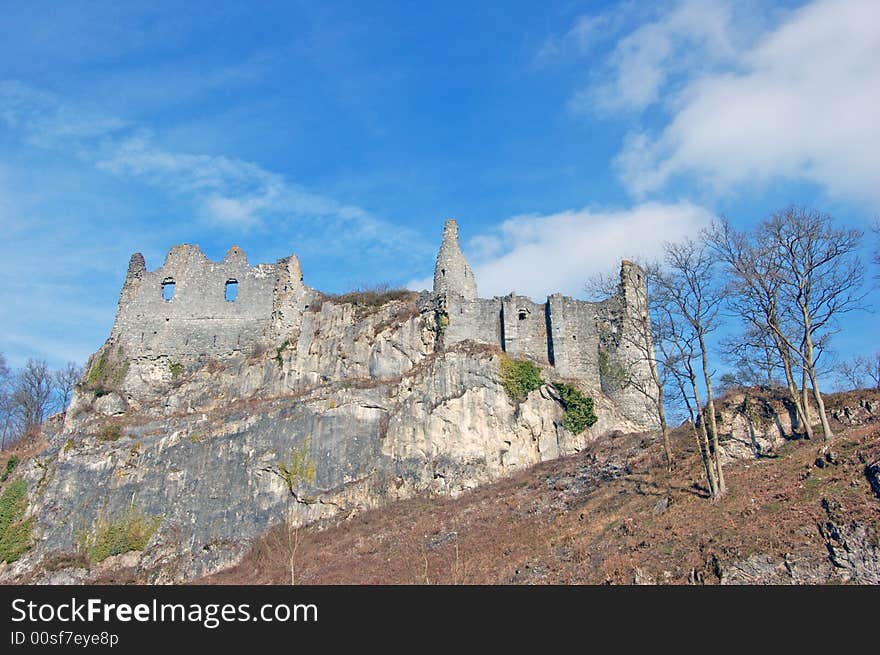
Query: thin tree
691,294
7,407
33,390
754,357
65,379
676,345
754,294
857,371
821,279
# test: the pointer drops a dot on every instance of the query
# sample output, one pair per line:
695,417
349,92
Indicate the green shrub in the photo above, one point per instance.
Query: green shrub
579,414
279,350
110,432
519,377
15,532
176,369
131,532
299,467
11,463
442,323
107,372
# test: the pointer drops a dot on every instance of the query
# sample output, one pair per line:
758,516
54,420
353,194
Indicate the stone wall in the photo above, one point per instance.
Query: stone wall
574,339
197,319
524,327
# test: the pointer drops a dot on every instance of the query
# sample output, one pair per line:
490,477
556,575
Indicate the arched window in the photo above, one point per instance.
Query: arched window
231,290
523,314
168,289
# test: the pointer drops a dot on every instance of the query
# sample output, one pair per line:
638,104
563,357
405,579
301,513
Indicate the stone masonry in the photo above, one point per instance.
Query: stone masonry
572,336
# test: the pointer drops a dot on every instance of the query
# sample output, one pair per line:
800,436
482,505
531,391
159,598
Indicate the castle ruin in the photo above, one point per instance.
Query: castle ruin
185,309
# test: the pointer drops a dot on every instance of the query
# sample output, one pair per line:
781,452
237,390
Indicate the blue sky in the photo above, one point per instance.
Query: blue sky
563,136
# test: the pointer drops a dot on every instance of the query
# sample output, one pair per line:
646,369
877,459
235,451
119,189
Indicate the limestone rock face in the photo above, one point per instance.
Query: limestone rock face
853,557
353,411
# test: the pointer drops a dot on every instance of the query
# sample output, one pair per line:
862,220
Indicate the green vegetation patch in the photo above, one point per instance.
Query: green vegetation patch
176,369
106,372
299,468
579,411
519,377
613,372
15,531
131,532
279,350
11,463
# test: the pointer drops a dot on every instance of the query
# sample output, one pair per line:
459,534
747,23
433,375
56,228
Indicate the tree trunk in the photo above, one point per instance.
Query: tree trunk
702,444
703,440
805,402
661,414
713,423
803,425
827,434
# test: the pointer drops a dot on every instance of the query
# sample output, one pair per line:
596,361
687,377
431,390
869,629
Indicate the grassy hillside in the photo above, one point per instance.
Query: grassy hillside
611,514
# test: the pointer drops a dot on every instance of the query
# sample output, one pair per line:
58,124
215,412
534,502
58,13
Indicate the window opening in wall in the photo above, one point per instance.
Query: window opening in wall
522,314
231,290
443,272
167,289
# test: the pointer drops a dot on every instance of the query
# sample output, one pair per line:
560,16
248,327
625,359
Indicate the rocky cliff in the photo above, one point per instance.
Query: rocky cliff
189,457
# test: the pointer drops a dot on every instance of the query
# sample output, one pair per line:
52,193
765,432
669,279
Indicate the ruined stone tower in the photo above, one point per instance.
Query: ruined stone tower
452,274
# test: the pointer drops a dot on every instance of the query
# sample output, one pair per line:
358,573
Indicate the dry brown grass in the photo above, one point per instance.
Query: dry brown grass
560,522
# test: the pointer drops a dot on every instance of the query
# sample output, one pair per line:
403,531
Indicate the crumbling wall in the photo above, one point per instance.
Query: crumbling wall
574,339
198,319
524,327
476,320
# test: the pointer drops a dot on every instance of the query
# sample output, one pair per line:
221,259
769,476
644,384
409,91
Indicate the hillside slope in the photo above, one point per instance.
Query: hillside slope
612,514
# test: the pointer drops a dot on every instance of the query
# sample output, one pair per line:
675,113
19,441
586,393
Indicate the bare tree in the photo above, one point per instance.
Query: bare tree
65,379
7,407
33,389
754,294
678,351
688,289
821,279
755,360
859,370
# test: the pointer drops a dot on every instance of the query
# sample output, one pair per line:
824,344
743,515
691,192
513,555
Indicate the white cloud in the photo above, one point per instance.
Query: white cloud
580,38
694,35
799,104
536,255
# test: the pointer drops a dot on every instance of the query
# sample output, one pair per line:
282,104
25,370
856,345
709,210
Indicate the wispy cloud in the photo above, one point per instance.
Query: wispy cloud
537,255
800,104
225,192
579,39
695,35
